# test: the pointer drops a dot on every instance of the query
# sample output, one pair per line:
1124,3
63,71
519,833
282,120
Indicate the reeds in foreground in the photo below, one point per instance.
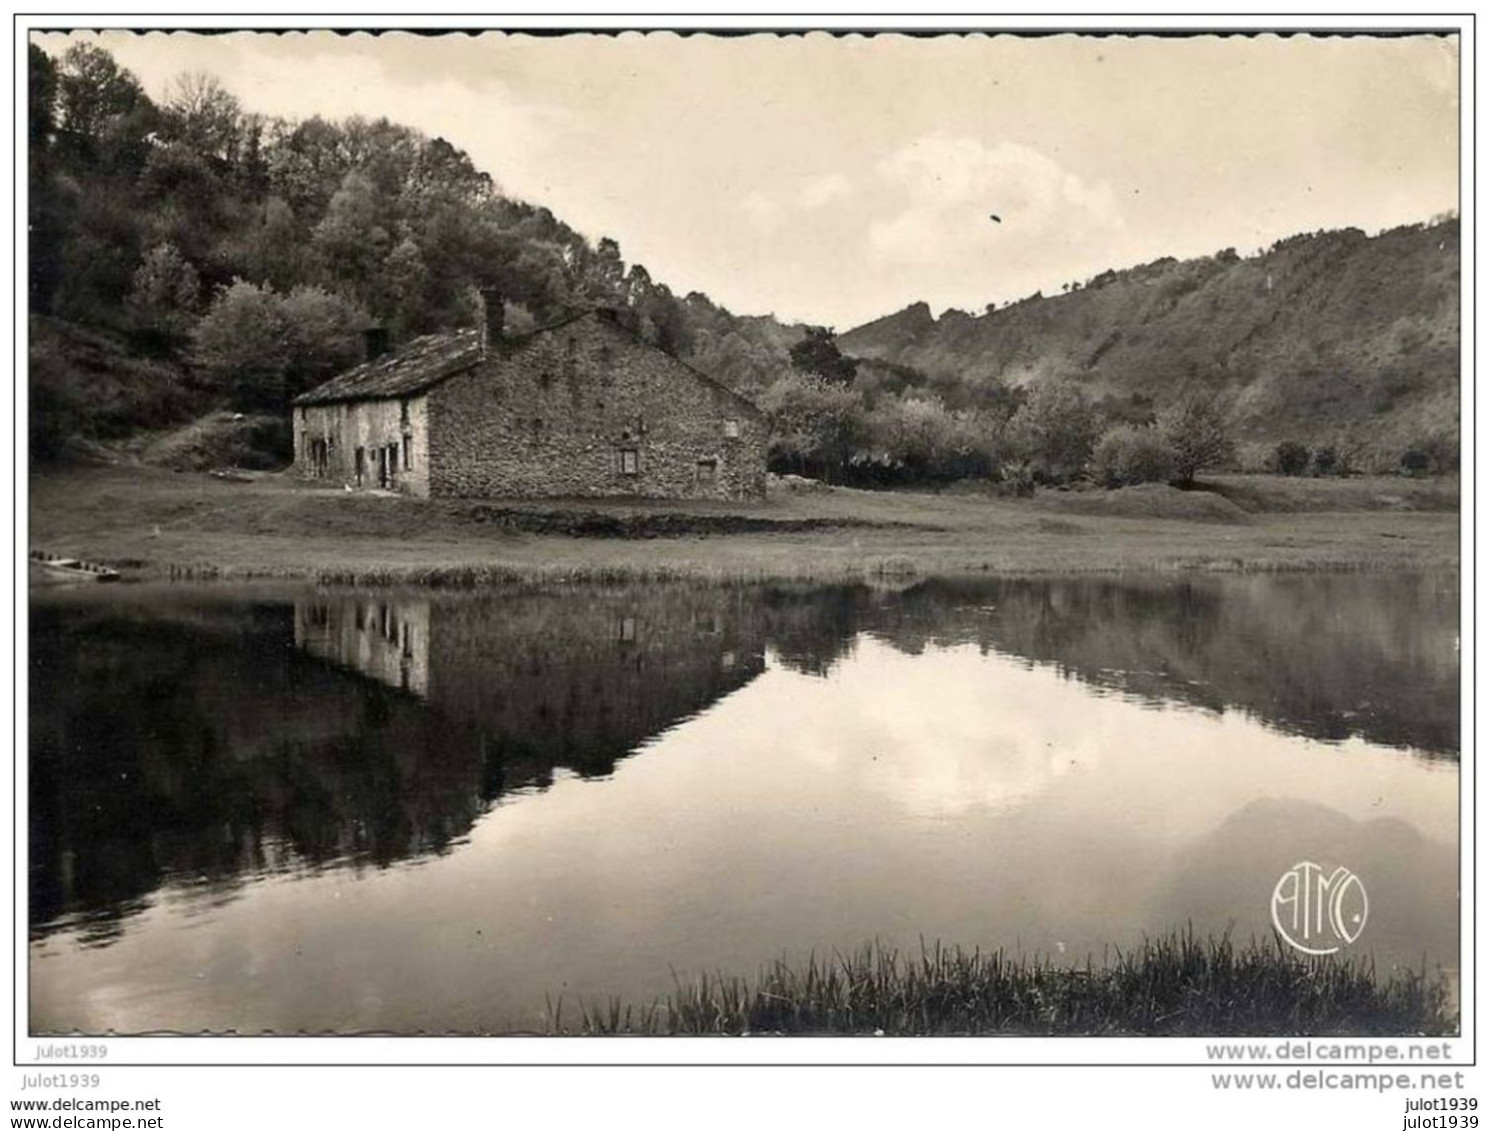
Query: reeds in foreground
1175,985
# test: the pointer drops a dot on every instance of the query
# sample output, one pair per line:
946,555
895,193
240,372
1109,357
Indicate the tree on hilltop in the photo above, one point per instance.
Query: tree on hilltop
818,354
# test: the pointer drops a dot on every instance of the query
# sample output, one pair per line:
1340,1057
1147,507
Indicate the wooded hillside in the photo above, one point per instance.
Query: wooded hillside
244,255
1325,338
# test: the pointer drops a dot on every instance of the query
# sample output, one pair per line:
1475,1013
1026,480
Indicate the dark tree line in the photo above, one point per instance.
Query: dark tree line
255,250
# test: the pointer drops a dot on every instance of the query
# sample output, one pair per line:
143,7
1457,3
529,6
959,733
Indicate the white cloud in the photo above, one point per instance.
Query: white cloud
819,191
764,212
949,188
769,211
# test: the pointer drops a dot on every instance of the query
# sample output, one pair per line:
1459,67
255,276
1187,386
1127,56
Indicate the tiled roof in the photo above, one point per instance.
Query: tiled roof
411,369
429,360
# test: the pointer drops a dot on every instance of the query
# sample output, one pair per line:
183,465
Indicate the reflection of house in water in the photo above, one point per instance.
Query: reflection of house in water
189,747
537,682
385,639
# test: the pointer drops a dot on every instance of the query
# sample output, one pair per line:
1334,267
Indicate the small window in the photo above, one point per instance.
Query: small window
630,461
408,452
403,411
626,631
708,471
731,429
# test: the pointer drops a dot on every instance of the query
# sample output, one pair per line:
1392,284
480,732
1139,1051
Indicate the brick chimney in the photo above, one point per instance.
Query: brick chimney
375,342
493,317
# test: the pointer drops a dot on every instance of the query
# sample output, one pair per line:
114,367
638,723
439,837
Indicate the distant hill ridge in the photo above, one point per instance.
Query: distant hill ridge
1323,337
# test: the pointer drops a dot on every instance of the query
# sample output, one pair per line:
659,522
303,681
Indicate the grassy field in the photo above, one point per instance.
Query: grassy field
157,523
1177,985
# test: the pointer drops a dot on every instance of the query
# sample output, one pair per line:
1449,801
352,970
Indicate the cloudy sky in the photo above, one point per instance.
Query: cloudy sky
837,179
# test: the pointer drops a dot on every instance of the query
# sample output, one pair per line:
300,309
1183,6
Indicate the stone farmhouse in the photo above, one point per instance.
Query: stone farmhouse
579,408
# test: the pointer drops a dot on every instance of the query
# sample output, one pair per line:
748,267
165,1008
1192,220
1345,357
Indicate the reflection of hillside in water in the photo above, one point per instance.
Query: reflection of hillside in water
198,746
193,742
1326,656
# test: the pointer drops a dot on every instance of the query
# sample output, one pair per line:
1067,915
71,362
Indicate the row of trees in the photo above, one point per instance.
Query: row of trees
824,425
1436,453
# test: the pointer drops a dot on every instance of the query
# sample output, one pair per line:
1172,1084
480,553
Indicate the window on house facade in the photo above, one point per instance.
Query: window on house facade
630,461
731,429
403,411
408,452
708,471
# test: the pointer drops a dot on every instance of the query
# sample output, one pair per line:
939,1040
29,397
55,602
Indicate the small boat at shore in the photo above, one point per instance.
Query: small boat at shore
71,569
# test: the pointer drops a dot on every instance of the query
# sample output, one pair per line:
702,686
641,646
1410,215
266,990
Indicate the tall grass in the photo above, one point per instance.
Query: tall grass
1175,985
497,574
527,575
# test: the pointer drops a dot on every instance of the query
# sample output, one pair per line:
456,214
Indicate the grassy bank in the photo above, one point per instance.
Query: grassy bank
1173,986
159,524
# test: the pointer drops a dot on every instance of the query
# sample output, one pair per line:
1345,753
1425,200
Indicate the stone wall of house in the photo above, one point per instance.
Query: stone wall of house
373,426
586,409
